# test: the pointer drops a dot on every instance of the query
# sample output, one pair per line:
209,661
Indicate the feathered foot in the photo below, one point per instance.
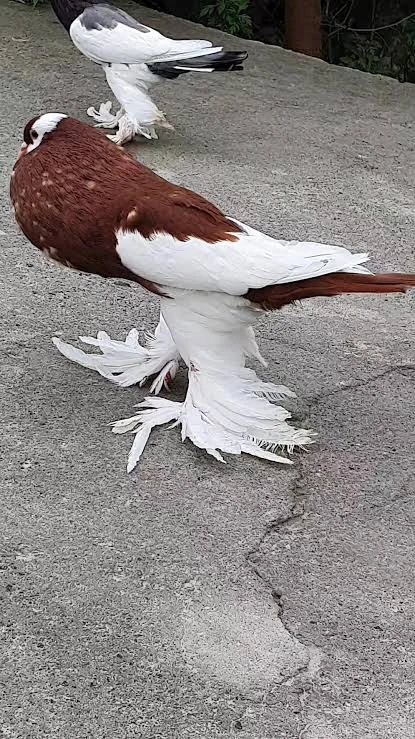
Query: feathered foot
126,132
128,129
103,117
230,413
128,362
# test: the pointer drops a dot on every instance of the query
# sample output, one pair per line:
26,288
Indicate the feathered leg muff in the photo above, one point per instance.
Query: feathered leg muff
138,114
227,408
128,362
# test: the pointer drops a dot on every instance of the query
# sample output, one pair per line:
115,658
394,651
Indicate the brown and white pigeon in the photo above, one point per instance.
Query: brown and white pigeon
135,57
89,205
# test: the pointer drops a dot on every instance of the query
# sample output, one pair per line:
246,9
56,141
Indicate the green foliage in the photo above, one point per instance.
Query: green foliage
403,54
228,15
392,54
364,53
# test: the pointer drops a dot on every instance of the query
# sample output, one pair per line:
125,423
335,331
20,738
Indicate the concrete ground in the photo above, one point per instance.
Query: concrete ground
191,599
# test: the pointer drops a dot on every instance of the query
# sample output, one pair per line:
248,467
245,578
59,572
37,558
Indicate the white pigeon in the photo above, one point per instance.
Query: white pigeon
135,58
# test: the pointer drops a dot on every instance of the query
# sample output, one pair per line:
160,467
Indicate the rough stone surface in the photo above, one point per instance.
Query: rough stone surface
192,599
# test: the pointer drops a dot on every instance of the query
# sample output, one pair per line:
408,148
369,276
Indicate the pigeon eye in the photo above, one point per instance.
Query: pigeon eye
34,135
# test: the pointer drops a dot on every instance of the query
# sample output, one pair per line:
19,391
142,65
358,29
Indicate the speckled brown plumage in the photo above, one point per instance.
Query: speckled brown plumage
71,210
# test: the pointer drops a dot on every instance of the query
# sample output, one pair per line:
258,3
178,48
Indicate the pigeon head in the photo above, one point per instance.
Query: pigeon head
38,128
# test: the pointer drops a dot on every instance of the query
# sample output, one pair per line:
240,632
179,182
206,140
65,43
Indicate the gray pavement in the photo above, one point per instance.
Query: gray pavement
191,599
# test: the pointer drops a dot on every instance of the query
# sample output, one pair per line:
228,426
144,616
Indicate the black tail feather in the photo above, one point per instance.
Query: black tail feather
221,61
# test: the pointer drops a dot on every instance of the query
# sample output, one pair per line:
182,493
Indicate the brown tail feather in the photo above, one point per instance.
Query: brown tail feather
273,297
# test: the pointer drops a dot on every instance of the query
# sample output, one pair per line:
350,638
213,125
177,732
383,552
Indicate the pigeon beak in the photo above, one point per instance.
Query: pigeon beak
22,151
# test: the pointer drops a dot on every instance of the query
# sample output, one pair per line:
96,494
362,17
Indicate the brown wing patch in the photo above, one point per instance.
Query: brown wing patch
181,213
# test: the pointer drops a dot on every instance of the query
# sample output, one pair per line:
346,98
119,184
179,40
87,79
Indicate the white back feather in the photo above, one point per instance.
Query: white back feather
253,261
124,44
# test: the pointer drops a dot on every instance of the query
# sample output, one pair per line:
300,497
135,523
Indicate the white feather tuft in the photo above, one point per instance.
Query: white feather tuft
128,362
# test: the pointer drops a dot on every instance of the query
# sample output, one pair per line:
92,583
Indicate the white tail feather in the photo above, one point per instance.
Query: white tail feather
187,50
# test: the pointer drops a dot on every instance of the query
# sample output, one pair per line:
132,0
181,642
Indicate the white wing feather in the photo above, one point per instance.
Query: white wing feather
253,261
127,45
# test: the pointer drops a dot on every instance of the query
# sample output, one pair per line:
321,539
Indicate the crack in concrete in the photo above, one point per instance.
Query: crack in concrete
297,506
400,368
296,511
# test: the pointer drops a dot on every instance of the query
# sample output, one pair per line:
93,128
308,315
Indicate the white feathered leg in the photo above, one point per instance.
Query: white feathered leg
139,115
227,407
128,362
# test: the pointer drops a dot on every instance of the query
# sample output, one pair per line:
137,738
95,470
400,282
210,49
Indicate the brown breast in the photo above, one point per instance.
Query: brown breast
66,200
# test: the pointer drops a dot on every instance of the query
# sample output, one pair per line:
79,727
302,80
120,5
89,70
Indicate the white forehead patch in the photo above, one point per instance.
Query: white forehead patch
46,123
